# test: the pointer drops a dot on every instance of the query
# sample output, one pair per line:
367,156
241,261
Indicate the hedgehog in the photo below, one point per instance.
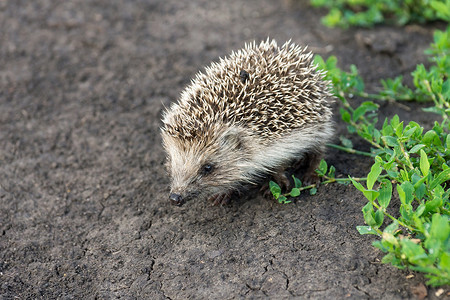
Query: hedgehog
248,117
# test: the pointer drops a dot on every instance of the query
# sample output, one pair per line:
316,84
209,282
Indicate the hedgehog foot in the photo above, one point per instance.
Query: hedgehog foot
221,199
282,179
311,161
311,179
265,191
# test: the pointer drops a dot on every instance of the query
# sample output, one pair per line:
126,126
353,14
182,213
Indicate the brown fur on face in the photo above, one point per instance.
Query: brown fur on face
204,169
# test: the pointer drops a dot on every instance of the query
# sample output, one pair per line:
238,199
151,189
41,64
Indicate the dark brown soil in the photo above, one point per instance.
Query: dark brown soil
84,209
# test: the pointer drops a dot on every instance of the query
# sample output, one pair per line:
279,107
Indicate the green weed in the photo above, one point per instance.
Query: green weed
429,85
411,164
327,174
366,13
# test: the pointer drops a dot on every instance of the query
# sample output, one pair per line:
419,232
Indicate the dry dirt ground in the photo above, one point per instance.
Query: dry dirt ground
84,210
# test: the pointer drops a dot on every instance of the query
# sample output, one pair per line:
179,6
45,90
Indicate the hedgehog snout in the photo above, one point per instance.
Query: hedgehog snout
176,199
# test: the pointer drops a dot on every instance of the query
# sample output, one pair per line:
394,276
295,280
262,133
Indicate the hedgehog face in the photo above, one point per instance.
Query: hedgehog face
201,169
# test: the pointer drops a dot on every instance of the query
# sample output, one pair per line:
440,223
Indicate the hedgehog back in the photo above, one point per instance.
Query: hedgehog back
267,89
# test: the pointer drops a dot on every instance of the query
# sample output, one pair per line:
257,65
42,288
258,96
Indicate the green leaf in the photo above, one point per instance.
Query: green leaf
333,18
434,247
395,121
369,215
283,200
346,142
435,110
438,6
345,115
414,253
444,263
416,177
416,148
351,129
424,164
313,191
399,129
419,183
401,194
318,60
391,228
433,205
409,132
379,218
392,174
379,245
417,221
424,242
371,195
275,189
377,136
408,189
331,62
406,212
331,171
297,182
440,227
385,193
323,167
357,185
295,192
442,9
430,138
390,238
372,177
386,129
404,175
420,210
390,141
442,177
365,230
392,259
363,108
420,190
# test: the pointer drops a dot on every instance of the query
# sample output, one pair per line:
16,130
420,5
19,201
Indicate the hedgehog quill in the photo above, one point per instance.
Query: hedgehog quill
250,115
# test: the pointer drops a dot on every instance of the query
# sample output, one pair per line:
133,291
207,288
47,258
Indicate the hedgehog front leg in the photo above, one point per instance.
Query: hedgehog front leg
306,165
311,161
281,177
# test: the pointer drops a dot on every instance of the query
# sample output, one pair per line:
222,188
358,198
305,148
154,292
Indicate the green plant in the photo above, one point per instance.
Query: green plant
413,160
416,164
366,13
429,84
411,164
327,174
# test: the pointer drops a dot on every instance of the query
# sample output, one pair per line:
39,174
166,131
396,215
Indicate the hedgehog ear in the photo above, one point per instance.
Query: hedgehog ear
232,138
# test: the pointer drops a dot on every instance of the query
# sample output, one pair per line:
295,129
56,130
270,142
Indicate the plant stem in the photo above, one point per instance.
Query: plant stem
358,130
351,150
406,155
412,229
330,180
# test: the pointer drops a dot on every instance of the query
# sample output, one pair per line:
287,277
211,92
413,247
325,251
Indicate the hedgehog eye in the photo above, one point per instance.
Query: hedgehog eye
206,169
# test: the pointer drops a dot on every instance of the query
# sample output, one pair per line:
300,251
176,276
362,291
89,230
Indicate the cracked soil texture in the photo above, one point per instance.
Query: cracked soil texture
84,210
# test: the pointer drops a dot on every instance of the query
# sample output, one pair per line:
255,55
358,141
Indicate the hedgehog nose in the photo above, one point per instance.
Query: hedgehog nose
176,199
